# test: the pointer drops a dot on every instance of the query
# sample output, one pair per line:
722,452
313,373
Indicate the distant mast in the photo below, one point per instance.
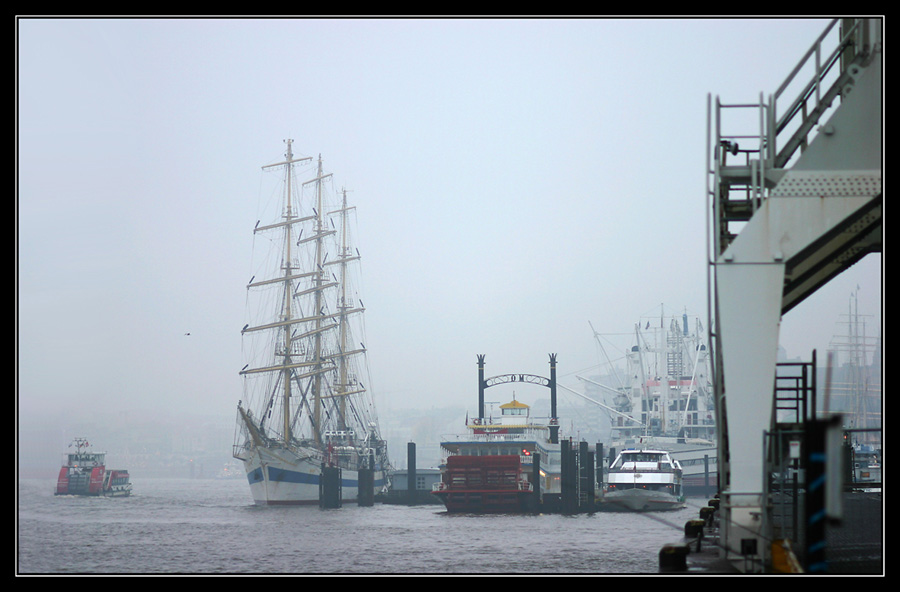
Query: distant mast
345,309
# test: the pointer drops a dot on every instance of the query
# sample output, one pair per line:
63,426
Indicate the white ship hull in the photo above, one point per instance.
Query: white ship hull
644,480
281,477
698,459
640,500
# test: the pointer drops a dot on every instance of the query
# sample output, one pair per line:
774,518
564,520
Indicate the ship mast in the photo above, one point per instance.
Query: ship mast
286,298
287,315
347,385
319,280
287,278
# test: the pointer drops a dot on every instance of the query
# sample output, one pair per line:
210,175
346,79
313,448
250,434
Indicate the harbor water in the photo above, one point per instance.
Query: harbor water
195,526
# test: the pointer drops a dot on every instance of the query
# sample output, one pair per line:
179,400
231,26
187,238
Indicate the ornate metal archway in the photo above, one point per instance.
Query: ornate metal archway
524,378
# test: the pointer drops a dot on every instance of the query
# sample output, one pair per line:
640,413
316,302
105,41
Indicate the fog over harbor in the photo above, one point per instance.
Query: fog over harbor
517,182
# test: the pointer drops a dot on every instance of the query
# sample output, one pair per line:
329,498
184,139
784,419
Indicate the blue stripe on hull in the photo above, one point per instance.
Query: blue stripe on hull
286,476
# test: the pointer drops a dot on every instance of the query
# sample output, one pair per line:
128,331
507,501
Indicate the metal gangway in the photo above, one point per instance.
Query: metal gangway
794,198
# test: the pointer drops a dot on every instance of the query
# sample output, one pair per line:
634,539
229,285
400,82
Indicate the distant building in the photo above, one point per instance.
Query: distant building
399,492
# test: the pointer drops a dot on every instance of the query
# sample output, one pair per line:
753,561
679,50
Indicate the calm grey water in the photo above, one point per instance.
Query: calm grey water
183,526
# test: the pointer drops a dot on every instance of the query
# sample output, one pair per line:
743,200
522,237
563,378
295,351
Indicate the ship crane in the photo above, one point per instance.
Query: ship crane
595,402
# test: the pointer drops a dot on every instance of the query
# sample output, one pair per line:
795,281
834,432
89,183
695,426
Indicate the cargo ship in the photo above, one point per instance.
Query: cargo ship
666,399
84,472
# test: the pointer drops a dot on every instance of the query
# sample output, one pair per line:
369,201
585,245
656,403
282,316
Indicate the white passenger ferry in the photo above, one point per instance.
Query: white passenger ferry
643,480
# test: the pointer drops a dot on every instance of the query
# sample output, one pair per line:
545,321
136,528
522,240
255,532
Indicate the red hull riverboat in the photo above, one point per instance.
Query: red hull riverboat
503,464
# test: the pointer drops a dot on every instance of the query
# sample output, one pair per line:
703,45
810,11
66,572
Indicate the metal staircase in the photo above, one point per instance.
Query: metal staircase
794,198
749,164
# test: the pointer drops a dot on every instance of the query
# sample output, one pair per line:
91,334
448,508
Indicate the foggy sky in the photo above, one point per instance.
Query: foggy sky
514,179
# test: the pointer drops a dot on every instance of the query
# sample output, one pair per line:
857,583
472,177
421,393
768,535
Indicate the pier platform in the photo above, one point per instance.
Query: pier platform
855,545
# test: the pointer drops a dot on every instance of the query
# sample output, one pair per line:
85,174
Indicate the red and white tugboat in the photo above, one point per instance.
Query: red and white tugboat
509,464
84,472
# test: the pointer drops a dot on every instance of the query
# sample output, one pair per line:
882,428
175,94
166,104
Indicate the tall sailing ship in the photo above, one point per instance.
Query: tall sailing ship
305,407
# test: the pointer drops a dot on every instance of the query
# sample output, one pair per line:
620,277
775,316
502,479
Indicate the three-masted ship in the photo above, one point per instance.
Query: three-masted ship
305,408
